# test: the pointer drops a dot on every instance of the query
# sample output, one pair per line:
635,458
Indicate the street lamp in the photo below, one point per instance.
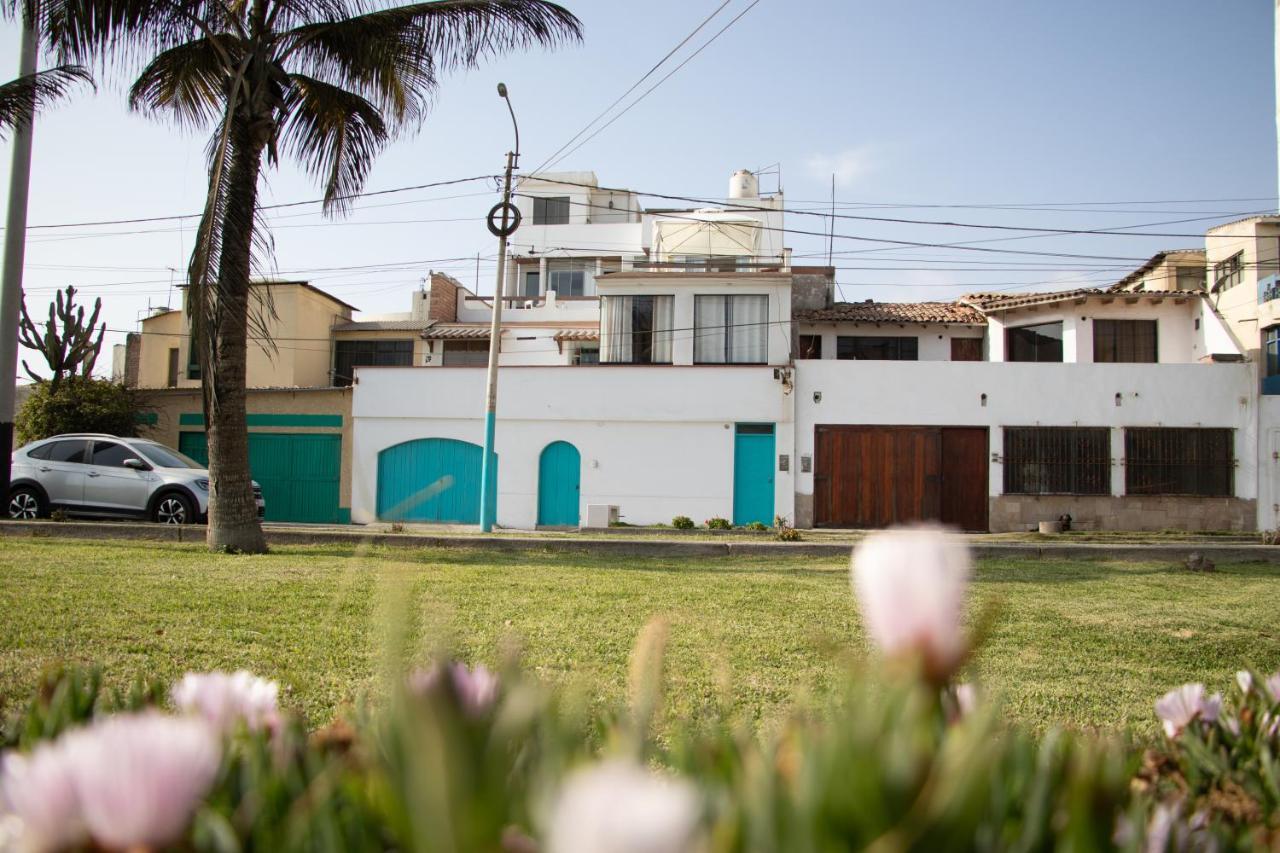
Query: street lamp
503,220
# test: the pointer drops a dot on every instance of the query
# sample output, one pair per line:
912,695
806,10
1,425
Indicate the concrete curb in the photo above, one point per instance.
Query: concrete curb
288,535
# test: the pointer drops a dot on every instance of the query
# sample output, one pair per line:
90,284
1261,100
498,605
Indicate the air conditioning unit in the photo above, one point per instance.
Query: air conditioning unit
601,515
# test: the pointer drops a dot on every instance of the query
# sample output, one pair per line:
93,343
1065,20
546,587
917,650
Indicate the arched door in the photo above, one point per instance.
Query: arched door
559,485
430,479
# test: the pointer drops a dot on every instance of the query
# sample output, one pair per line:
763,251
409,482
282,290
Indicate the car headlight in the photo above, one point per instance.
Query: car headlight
203,484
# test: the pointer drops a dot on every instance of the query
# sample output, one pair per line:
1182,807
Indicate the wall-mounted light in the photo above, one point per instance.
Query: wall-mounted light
817,396
1119,396
984,400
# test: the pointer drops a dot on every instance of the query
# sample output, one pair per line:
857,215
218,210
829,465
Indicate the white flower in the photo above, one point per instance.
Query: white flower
617,807
475,689
1178,708
1245,680
37,791
966,698
225,701
910,584
140,777
1273,687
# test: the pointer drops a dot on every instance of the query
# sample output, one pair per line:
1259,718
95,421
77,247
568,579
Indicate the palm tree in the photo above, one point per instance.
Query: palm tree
19,98
325,81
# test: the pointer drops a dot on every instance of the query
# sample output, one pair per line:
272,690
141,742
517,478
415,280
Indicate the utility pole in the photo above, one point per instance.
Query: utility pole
1276,24
15,244
503,220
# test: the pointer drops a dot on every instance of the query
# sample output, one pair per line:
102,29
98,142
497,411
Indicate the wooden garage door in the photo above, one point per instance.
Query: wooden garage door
880,476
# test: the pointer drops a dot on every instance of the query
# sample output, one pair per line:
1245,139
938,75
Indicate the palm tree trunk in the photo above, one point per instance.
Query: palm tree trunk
233,515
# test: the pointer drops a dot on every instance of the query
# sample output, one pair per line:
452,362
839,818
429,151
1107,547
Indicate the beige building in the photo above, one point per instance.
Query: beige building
1170,270
1243,260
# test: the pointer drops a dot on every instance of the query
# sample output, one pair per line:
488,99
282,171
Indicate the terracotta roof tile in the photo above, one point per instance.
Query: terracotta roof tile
989,302
895,312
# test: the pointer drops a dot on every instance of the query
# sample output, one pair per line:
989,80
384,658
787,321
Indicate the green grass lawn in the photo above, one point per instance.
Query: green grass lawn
1088,645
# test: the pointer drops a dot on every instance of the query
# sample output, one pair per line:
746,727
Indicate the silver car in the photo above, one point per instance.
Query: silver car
105,475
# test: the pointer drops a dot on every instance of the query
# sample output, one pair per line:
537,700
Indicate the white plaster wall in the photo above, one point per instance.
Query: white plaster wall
935,340
547,309
656,441
1269,463
907,393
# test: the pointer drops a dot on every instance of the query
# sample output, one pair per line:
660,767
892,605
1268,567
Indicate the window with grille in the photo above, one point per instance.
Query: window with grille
348,355
810,346
1227,274
1057,460
1127,341
1179,461
551,211
875,348
1041,342
465,353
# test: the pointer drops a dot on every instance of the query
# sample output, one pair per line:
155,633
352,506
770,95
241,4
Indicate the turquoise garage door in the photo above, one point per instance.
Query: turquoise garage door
299,472
430,479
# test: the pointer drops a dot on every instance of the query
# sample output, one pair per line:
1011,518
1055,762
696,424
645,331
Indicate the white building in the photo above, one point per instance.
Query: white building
673,362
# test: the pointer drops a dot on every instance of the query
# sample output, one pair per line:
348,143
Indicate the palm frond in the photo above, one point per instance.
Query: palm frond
335,134
189,81
393,56
20,98
127,32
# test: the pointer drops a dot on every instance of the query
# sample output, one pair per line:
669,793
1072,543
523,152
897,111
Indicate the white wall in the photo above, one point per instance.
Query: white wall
656,441
935,340
910,393
1269,463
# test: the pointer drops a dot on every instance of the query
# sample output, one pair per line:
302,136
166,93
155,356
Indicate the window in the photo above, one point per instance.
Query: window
1042,342
465,353
1174,461
1190,278
587,355
868,348
730,329
1057,460
551,211
1271,354
530,284
171,380
571,277
637,329
810,346
1127,341
111,454
164,457
41,452
193,362
713,263
348,355
1226,274
966,349
67,451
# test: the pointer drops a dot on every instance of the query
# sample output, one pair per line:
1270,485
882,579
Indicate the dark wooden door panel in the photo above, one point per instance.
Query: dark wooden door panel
964,501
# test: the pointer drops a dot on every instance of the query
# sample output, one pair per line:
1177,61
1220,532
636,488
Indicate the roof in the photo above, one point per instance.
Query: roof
895,312
1265,217
1155,261
383,326
989,302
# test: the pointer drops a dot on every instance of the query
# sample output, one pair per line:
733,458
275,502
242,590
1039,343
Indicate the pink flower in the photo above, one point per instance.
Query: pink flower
1245,679
38,790
618,807
225,701
966,698
139,777
910,584
1178,708
1273,687
475,689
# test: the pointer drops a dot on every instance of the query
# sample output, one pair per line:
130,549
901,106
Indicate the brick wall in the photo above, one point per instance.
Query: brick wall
444,298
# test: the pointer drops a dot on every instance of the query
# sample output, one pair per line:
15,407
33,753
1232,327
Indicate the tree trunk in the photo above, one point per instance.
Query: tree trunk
233,515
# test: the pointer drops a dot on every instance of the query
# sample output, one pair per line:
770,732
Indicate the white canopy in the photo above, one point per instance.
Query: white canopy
723,237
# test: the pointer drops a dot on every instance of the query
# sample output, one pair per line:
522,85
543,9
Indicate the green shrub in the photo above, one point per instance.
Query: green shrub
786,533
79,405
758,526
718,523
682,522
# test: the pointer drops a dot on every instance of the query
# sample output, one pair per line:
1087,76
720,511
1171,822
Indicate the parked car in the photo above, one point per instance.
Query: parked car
106,475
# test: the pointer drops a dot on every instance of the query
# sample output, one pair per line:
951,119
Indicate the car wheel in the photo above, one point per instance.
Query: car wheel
173,508
26,503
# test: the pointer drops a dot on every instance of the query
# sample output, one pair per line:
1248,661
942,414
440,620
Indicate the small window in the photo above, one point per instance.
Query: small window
41,452
1227,274
1190,278
868,348
1271,354
587,355
193,362
71,450
1057,460
530,284
1041,342
111,454
810,346
171,379
465,353
1179,461
966,349
551,211
1124,341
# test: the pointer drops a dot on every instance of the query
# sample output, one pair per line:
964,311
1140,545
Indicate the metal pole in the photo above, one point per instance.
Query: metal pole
489,463
1277,83
15,244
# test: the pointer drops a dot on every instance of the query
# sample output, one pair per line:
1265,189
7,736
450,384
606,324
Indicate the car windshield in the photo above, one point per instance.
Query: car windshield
165,457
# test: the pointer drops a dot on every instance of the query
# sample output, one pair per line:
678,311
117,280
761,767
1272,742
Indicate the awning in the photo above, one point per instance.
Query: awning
478,332
722,238
578,335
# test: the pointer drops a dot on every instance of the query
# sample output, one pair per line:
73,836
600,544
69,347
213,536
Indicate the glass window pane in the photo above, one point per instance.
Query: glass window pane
1041,342
71,450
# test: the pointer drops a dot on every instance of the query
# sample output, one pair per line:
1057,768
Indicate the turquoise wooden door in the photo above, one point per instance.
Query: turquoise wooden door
299,472
430,479
559,483
753,446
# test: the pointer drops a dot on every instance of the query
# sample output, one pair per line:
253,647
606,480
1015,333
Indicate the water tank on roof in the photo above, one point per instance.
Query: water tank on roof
744,184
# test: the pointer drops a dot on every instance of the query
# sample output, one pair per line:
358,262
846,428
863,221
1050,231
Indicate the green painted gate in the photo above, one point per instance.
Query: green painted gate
430,479
299,472
753,448
559,483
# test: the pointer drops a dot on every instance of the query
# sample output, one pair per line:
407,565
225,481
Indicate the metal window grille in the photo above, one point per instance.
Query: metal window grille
1227,274
1179,461
1057,460
348,355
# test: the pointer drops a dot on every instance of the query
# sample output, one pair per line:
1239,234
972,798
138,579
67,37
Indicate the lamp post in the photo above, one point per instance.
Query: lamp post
503,220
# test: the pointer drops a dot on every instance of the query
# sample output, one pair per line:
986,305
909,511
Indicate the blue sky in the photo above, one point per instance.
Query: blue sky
1092,114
